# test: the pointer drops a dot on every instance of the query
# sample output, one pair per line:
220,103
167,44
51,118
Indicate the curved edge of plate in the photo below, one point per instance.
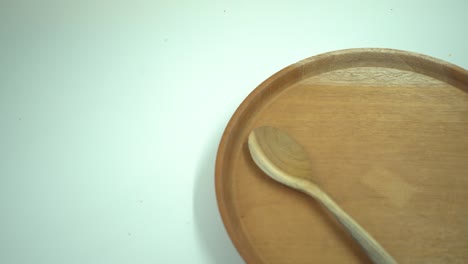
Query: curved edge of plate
287,75
387,58
318,64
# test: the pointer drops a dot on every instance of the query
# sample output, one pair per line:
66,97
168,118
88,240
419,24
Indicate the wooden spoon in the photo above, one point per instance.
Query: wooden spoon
286,161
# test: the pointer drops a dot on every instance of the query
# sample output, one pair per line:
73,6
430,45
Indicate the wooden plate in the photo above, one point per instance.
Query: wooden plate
387,132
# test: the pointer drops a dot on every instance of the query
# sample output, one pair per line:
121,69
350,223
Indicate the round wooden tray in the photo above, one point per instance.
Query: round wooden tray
387,132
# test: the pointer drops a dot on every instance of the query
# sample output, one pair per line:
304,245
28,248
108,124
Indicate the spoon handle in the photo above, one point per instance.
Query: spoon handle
373,249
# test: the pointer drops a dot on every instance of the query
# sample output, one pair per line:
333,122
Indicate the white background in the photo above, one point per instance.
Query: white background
111,112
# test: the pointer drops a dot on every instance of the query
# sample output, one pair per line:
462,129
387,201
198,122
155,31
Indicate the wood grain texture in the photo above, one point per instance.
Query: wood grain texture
286,161
386,132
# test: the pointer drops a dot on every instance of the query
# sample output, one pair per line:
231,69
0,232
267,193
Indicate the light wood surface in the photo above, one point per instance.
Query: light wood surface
386,133
286,161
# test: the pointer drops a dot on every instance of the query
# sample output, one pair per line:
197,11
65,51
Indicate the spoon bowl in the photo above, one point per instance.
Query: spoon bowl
280,157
